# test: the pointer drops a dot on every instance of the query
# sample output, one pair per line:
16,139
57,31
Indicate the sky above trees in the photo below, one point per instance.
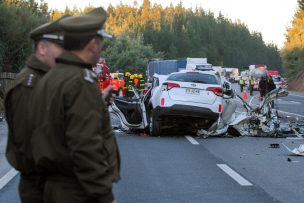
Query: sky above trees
270,17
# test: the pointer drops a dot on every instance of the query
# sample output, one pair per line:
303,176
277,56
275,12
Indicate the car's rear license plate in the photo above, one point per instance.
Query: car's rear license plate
192,91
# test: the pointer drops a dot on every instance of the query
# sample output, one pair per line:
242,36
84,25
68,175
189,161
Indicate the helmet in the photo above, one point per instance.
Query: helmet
127,73
140,76
131,77
135,75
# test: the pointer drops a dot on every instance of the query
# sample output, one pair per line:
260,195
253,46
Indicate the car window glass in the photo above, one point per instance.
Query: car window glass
276,79
155,82
194,77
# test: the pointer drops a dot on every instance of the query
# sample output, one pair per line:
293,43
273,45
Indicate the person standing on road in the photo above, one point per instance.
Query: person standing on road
251,85
130,85
263,87
241,84
48,40
73,141
271,86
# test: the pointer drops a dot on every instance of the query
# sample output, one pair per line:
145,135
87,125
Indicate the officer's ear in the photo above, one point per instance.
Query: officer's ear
41,47
91,45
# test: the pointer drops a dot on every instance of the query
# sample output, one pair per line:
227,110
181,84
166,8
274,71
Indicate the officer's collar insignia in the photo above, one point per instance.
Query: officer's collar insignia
89,76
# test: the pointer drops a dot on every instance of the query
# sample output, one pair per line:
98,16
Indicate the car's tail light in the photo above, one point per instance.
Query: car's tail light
220,108
216,90
169,86
162,101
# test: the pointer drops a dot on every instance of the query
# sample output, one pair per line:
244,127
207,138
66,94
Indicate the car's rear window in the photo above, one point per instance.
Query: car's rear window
276,79
194,77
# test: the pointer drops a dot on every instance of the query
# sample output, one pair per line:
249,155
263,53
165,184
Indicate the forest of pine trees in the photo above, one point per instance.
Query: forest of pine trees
144,31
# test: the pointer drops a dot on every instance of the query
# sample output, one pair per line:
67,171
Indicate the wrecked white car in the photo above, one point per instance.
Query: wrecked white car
183,101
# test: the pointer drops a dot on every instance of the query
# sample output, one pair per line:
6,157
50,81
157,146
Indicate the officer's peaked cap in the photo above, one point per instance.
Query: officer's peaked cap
49,31
89,24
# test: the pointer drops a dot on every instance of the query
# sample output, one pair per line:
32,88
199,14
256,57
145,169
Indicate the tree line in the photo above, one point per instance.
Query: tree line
293,50
143,32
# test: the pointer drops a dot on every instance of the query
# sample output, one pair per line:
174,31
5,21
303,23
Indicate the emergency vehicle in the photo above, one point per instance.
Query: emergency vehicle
103,74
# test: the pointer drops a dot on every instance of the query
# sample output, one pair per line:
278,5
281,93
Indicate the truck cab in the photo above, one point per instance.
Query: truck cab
198,64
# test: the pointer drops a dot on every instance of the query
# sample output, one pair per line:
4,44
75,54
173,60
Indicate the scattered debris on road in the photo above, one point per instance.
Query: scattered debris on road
297,151
274,145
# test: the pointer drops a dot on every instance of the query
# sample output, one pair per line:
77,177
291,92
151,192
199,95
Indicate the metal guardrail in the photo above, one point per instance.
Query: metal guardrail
6,82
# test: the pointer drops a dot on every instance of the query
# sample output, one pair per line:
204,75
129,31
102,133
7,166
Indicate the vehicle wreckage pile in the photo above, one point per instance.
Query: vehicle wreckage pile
262,120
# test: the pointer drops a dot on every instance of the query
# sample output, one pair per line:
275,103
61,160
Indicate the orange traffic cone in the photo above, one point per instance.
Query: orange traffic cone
245,95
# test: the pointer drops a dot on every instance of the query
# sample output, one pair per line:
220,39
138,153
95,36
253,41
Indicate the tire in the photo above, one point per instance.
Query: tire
154,125
233,132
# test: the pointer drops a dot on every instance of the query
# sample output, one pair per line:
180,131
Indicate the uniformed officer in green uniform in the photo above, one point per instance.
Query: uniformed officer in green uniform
73,142
48,40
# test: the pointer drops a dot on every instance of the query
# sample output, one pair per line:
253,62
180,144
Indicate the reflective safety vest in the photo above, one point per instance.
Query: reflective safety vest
136,82
115,83
122,83
252,82
241,82
129,84
141,85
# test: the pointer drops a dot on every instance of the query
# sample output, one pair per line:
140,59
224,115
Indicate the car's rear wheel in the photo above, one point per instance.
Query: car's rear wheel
154,125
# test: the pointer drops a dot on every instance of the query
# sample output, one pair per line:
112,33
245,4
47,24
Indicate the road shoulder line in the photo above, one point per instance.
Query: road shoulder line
7,177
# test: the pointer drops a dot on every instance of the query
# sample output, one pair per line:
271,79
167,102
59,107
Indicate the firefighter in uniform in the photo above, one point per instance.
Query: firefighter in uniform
130,84
115,84
126,79
73,141
251,86
48,40
242,83
135,80
141,83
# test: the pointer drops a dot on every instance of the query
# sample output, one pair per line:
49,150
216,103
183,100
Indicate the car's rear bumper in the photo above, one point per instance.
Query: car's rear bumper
185,111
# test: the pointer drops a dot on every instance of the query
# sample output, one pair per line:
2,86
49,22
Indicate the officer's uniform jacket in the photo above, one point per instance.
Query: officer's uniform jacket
73,136
18,107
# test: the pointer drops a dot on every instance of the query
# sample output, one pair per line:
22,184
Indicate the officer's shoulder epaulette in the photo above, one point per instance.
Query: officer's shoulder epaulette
30,80
89,76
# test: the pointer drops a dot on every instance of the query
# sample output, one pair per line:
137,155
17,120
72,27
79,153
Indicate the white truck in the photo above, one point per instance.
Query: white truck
198,64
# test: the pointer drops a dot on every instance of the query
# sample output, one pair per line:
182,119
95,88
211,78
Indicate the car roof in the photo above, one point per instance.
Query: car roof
210,72
161,78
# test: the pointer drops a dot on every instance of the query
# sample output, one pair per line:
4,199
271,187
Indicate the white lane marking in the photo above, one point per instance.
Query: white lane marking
286,112
7,177
279,111
291,113
295,102
192,140
234,175
295,95
294,138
